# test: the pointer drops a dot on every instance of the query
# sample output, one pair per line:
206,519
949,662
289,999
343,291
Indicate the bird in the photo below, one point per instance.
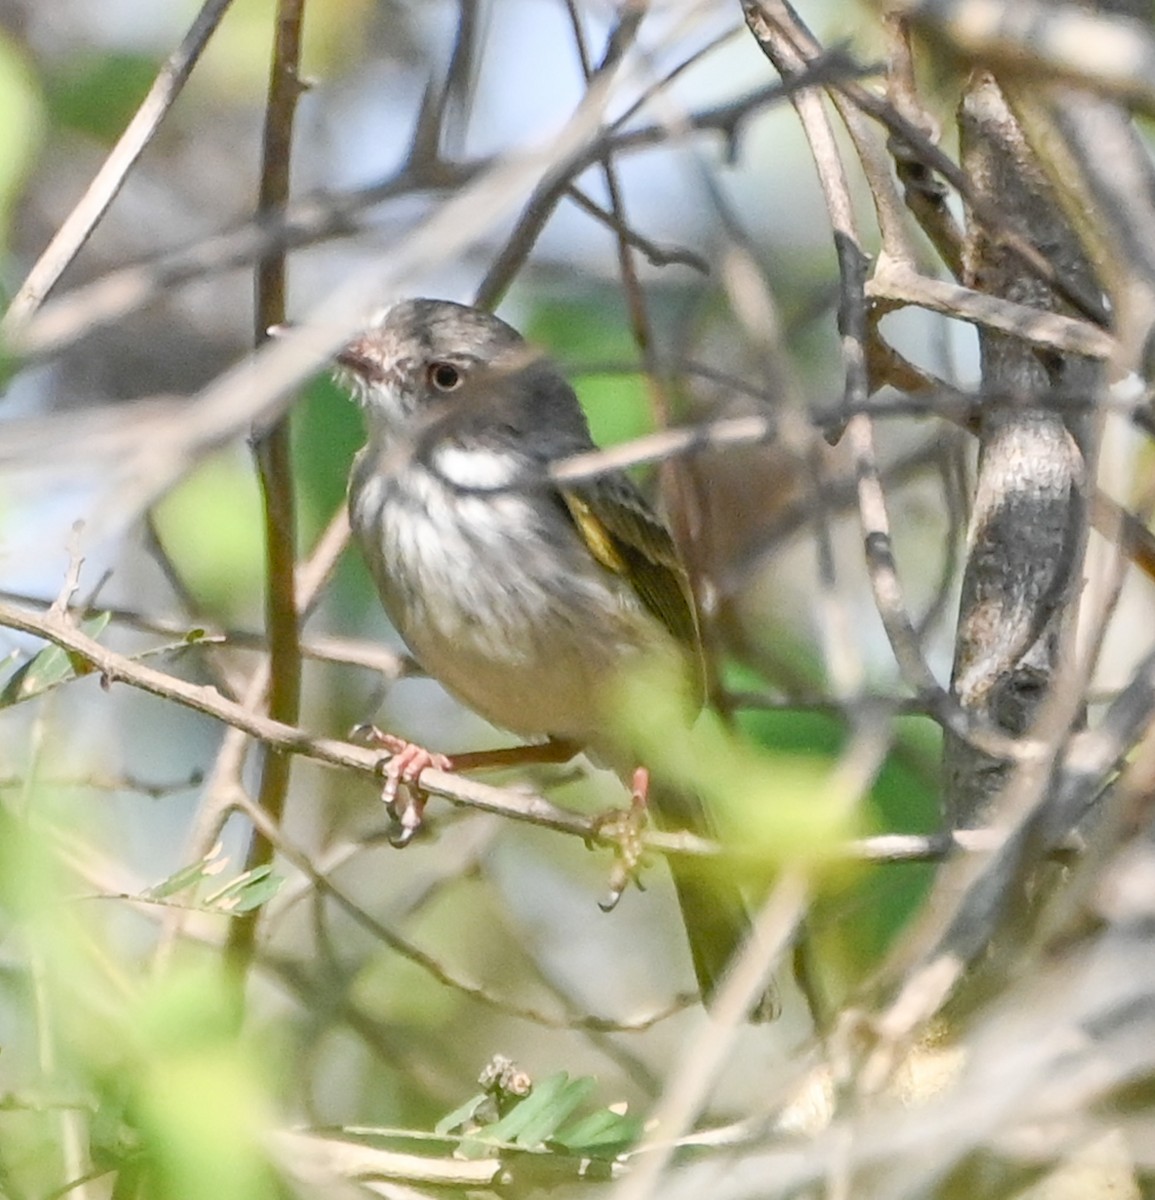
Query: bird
523,598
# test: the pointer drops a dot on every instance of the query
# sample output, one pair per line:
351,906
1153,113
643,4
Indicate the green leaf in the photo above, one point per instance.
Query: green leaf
257,892
246,892
239,895
50,667
462,1115
178,881
601,1134
542,1121
543,1111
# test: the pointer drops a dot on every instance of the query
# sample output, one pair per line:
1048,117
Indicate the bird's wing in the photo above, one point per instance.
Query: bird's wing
626,537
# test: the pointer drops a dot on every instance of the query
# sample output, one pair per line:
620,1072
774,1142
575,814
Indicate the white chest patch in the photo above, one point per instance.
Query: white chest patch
473,468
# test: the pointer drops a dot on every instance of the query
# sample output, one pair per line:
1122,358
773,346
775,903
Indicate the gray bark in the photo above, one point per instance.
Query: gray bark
1027,529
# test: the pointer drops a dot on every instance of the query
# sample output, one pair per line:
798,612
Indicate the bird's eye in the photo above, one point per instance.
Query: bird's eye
445,377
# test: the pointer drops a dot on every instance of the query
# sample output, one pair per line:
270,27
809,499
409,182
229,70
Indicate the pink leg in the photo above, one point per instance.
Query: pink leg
640,788
405,763
407,760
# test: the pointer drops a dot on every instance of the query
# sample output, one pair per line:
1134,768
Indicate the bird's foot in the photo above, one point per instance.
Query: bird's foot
402,794
625,827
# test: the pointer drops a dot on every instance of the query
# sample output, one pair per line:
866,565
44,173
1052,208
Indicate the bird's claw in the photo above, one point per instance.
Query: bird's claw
406,808
624,827
621,876
402,793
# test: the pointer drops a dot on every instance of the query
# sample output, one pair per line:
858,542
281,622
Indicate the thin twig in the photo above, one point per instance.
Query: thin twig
504,802
273,454
224,784
318,218
1111,53
79,224
657,256
427,962
899,284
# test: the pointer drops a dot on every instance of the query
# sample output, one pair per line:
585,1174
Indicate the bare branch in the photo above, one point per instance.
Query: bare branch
897,283
273,453
83,219
1109,52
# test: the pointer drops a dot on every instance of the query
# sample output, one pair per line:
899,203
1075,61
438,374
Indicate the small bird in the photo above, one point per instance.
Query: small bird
524,599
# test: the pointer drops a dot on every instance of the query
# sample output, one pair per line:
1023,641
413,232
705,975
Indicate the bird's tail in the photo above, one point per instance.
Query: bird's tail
715,915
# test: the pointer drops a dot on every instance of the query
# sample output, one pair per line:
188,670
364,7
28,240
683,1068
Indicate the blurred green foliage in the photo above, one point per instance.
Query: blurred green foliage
235,68
585,330
146,1074
198,1102
22,106
327,431
778,805
96,94
211,523
211,527
861,908
771,783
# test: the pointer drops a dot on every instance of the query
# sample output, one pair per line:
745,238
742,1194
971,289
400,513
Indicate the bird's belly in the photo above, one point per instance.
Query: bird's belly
564,694
500,602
